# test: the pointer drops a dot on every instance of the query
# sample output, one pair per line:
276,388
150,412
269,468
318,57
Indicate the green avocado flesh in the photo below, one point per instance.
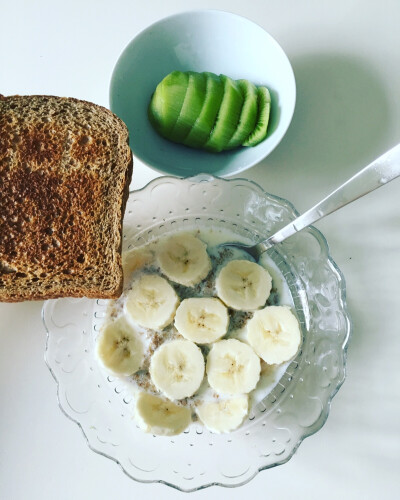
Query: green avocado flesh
191,107
260,131
210,112
204,123
248,116
228,116
166,102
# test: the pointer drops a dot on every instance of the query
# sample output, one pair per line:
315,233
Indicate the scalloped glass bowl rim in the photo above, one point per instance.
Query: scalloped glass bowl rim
204,178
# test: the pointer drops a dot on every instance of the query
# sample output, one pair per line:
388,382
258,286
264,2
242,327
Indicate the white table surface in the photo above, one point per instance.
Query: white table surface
346,59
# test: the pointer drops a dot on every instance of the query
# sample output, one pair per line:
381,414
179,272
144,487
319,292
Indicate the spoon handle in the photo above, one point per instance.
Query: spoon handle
381,171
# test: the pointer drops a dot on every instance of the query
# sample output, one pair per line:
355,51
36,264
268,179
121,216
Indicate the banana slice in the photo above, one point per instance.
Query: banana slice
158,416
202,320
152,302
225,415
233,367
177,368
183,258
243,285
120,348
136,259
274,334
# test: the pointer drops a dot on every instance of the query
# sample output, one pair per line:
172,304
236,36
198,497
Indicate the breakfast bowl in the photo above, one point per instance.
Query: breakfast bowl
203,40
297,403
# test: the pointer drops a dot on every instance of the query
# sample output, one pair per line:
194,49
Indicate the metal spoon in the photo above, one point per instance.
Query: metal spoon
381,171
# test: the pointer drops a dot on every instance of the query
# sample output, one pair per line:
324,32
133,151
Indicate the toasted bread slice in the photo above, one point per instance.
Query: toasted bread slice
65,169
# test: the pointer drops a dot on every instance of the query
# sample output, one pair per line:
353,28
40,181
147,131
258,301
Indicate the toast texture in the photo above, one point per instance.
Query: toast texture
65,169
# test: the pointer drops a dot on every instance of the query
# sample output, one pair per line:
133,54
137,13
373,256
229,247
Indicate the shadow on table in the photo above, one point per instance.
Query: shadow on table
340,124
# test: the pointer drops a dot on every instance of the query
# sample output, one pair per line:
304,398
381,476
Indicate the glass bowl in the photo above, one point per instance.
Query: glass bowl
201,40
299,403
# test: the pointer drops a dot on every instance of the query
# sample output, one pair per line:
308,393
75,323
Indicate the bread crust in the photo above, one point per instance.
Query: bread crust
65,170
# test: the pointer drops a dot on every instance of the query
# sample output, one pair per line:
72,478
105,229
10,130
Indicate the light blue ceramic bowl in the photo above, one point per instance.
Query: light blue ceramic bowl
204,40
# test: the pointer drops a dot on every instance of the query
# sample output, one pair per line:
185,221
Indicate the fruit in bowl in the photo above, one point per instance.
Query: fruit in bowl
210,112
200,323
188,43
266,426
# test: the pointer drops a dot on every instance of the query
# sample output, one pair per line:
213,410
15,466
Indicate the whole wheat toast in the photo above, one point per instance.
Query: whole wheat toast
65,169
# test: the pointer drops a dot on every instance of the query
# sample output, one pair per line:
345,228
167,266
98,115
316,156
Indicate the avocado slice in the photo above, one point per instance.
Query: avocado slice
248,116
191,106
260,130
228,116
205,121
166,102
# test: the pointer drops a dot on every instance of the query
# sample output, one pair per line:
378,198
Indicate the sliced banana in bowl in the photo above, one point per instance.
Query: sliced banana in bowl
274,334
177,369
243,285
224,415
159,416
202,319
232,367
183,258
192,328
152,301
135,260
119,347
